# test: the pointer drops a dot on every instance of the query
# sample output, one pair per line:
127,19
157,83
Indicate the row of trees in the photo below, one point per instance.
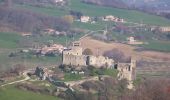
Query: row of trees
27,21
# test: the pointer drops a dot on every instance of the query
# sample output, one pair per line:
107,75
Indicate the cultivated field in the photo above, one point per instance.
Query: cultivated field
99,47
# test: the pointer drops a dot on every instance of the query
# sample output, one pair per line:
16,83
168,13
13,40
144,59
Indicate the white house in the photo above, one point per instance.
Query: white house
85,19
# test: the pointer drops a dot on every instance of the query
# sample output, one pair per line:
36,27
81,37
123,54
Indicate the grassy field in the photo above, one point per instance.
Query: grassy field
12,93
163,46
88,26
9,40
58,39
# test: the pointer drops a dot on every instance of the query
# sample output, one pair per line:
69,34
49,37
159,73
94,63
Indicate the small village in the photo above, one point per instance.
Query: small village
83,50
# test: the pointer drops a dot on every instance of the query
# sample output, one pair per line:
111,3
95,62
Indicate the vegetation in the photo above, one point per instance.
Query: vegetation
72,77
117,55
129,15
9,40
163,46
27,21
157,89
12,93
87,52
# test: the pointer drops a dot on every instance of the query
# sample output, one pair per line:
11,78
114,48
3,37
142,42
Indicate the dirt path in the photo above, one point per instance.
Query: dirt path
19,81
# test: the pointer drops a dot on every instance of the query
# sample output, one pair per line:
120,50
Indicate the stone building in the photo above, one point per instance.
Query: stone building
74,56
127,71
100,61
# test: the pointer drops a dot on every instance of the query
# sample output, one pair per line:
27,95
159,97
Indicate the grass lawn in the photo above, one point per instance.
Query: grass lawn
12,93
72,77
109,72
163,46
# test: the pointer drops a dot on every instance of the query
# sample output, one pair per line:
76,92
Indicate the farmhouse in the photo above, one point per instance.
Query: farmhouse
164,29
57,1
53,32
55,47
85,19
112,18
131,40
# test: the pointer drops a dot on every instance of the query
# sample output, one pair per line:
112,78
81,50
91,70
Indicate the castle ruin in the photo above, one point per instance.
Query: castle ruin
74,56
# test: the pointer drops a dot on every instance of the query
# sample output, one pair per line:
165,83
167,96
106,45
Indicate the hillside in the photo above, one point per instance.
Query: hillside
129,15
93,10
111,3
152,4
23,20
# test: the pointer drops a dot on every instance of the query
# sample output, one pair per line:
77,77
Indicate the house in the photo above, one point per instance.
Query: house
52,48
49,31
109,18
112,18
27,34
131,40
85,19
164,29
58,1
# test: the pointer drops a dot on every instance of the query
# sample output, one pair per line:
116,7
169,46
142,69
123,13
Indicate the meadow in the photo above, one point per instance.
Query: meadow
129,15
12,93
9,40
163,46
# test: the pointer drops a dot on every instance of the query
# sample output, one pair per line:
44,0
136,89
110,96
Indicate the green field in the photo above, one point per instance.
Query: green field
163,46
58,39
12,93
129,15
88,26
9,40
72,77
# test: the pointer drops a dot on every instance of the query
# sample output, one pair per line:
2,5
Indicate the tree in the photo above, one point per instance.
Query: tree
69,18
150,89
76,14
117,55
87,52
